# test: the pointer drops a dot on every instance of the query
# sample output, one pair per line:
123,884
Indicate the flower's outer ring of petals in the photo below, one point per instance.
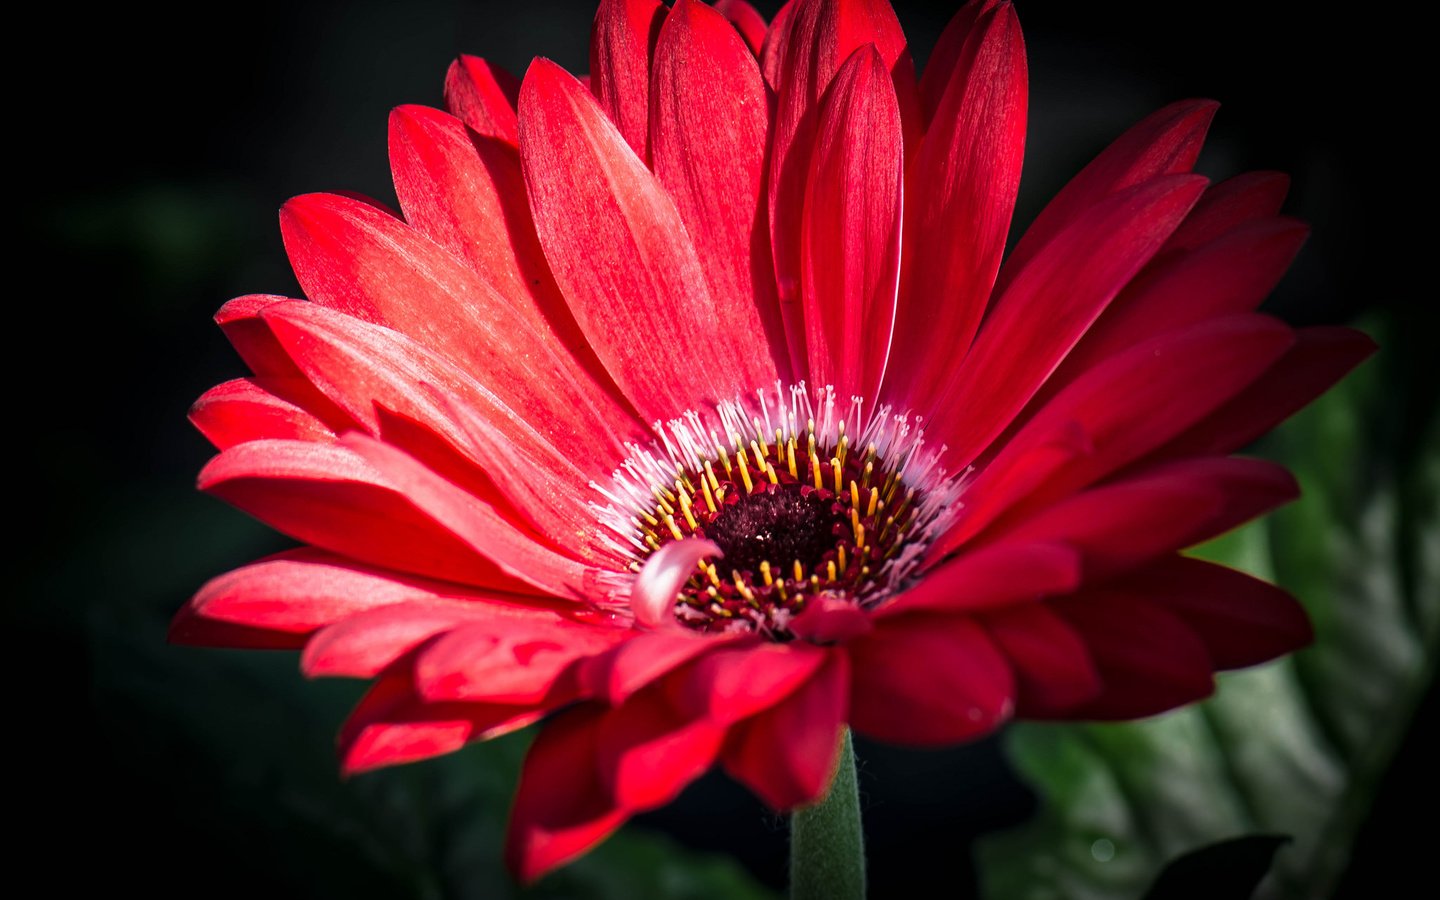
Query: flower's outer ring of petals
624,261
831,620
747,20
709,129
1320,357
1053,669
998,575
482,95
302,590
963,183
945,56
733,683
622,44
252,409
467,194
391,725
787,754
1228,204
850,237
473,521
1149,660
647,751
1125,522
354,259
506,661
328,496
1050,304
928,681
776,45
1241,619
562,807
1166,142
629,666
1083,435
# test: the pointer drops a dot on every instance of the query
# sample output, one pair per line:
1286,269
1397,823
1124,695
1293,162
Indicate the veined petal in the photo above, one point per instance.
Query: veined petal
621,46
945,57
648,751
730,684
482,95
507,660
850,244
615,675
622,256
997,575
962,187
1228,204
747,20
246,409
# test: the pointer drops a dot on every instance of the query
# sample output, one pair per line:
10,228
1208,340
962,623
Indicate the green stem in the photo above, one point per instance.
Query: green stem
827,846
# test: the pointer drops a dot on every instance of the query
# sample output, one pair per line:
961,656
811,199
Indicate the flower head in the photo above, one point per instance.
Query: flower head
691,410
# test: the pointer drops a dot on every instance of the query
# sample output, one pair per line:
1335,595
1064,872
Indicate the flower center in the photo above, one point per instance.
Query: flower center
798,509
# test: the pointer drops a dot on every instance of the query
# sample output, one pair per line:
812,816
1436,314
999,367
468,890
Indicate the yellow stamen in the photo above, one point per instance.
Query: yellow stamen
685,508
745,472
830,569
790,458
835,470
799,571
771,474
765,573
840,552
874,502
708,494
674,529
710,476
854,495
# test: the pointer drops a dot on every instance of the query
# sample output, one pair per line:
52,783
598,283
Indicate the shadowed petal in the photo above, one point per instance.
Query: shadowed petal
482,95
1053,669
620,49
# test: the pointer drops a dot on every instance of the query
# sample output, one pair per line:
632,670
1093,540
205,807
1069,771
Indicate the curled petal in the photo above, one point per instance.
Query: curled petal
652,597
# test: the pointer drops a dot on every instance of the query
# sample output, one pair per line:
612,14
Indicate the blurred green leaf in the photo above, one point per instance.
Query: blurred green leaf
1296,747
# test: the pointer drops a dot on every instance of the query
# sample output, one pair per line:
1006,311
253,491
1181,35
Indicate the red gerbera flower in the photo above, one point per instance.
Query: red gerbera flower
695,410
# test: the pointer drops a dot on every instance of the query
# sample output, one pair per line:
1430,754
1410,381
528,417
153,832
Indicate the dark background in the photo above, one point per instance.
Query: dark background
155,152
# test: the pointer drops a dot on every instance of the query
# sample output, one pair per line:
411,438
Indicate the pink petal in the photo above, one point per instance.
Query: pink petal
746,19
1053,670
653,595
392,726
354,259
928,681
474,522
1232,202
620,50
997,575
482,95
246,409
1123,523
1241,619
1166,142
850,243
507,660
647,752
730,684
1320,357
1049,306
708,133
787,755
621,255
1149,660
562,808
1084,433
327,495
963,184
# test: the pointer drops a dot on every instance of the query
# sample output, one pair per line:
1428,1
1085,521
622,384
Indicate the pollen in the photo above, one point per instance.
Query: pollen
804,498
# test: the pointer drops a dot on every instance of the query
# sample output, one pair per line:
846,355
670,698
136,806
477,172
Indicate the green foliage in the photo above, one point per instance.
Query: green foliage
1295,747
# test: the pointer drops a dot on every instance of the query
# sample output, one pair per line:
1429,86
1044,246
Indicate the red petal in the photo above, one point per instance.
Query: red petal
945,57
746,19
1320,357
197,631
561,808
1124,523
615,675
787,755
1050,305
392,726
357,260
328,496
1053,670
817,37
963,185
992,576
928,681
735,683
1166,142
246,409
482,95
508,660
850,245
647,752
1241,619
620,50
624,261
1232,202
708,133
1148,659
777,42
1085,433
